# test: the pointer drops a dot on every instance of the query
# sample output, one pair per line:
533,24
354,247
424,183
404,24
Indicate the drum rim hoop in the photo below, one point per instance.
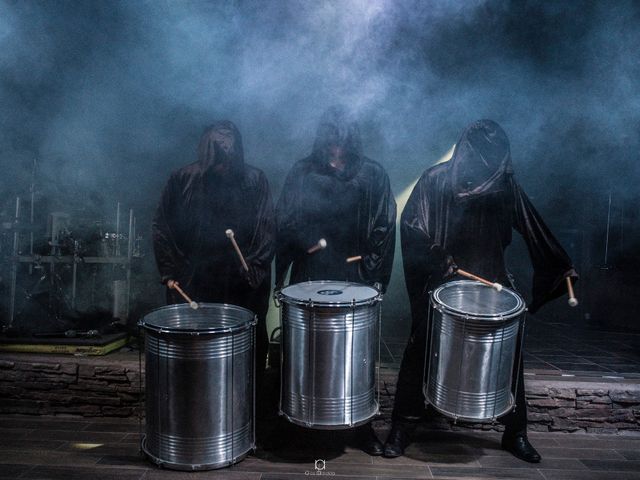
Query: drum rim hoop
198,331
284,298
498,317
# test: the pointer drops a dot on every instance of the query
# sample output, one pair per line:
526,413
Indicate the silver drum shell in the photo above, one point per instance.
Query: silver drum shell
328,365
471,361
199,386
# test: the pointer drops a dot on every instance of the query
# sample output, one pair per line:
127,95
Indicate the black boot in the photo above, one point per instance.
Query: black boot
368,441
519,446
397,441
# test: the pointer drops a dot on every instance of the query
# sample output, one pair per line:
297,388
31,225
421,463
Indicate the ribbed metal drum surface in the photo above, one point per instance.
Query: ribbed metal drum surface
200,386
472,355
329,361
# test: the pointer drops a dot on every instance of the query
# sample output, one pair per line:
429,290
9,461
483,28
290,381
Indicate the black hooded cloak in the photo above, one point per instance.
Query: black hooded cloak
464,211
353,209
199,203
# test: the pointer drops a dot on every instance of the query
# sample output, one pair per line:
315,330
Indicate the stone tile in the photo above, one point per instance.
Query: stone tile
579,367
413,457
81,473
132,461
45,457
38,423
223,473
75,436
580,453
114,427
600,441
17,433
588,475
12,471
613,465
513,462
132,437
6,442
466,472
101,449
630,454
255,465
297,476
349,455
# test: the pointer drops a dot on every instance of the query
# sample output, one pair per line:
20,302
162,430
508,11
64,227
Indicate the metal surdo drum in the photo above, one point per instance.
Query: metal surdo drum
474,341
199,385
330,345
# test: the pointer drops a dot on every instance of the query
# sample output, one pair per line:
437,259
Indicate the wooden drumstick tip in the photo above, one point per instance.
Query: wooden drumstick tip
573,302
322,243
497,286
229,233
193,305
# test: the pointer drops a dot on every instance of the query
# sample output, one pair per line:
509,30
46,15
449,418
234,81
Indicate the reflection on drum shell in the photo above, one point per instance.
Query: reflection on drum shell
200,386
472,355
328,363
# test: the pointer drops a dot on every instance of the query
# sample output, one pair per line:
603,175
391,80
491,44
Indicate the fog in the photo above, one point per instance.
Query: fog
109,97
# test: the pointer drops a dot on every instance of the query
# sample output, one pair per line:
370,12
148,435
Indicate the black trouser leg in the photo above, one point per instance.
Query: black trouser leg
409,399
515,422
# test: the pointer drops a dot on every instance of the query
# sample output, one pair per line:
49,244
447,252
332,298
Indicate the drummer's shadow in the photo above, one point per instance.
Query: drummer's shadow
295,444
452,447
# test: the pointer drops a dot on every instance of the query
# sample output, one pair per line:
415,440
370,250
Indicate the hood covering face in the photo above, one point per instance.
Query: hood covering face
337,128
481,161
220,150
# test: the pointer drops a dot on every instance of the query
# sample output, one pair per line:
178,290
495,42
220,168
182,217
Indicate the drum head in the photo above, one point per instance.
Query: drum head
477,300
327,292
207,318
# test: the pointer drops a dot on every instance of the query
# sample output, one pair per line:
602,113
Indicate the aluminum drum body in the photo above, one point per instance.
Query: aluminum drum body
199,385
474,341
330,345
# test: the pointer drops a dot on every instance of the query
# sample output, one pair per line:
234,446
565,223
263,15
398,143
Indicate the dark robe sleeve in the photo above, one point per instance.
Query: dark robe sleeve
260,253
286,226
169,258
381,235
551,264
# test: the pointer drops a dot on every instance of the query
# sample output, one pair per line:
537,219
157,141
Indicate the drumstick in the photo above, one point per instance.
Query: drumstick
174,285
497,286
357,258
231,237
322,243
573,301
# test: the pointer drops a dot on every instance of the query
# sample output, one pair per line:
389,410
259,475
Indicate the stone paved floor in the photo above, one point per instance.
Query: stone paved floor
72,448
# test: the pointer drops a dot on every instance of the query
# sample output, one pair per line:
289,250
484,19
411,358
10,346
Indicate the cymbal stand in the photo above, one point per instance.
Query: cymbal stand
14,265
32,192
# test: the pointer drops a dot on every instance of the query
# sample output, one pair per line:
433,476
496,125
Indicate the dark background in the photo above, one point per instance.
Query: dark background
110,96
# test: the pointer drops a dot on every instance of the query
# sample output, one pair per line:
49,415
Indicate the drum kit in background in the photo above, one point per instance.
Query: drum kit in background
200,365
57,266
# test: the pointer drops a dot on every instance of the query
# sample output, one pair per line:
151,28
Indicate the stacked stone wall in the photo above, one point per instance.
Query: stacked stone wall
69,387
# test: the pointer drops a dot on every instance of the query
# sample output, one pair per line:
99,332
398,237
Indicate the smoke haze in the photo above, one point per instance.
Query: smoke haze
111,96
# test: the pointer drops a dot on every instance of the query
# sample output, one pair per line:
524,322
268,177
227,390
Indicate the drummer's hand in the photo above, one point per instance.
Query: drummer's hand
444,261
276,293
451,268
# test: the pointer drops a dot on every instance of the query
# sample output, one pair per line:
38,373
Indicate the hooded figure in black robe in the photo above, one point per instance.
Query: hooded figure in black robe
339,195
199,203
462,213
